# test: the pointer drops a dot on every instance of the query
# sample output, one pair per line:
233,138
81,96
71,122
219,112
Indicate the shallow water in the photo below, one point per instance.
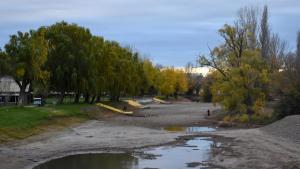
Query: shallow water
194,129
189,155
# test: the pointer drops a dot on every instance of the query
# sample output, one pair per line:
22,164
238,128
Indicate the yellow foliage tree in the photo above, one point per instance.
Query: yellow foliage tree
172,81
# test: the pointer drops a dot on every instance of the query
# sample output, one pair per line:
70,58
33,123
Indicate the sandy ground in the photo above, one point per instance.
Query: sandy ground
256,149
175,114
90,136
240,149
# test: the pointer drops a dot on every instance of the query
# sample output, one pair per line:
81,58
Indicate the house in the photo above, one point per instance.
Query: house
9,90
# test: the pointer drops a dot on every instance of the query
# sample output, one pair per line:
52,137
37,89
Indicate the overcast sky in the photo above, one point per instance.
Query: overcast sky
169,32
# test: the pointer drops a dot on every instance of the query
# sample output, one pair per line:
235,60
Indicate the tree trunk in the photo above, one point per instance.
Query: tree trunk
22,95
87,98
114,98
61,97
76,100
98,99
93,99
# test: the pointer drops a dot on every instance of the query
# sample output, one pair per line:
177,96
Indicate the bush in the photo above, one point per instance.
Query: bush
243,118
227,118
289,104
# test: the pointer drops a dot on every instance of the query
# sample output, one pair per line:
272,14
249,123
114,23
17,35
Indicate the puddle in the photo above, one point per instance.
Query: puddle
194,129
192,154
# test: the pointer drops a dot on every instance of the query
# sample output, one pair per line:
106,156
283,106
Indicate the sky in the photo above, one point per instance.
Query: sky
169,32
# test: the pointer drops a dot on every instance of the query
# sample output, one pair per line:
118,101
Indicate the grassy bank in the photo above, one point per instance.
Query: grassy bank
21,122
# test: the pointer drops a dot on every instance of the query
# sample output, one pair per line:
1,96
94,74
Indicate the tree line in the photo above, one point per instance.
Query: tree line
253,66
66,58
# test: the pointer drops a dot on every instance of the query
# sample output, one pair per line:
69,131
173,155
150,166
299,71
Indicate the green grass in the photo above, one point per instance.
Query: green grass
27,117
20,122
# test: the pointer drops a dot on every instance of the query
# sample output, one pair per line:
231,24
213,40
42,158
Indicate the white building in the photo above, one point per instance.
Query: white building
9,90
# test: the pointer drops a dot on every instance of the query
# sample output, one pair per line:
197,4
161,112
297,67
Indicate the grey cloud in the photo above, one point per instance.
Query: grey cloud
171,32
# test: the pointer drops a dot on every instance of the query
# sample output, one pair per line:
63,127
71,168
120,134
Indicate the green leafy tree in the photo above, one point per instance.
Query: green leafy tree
98,69
68,61
150,77
4,67
206,84
27,53
123,71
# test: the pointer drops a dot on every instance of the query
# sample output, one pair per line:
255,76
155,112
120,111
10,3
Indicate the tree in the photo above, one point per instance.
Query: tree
168,80
151,77
191,79
264,36
124,69
4,67
68,61
297,60
289,103
290,84
206,92
240,71
247,18
172,82
181,85
98,68
27,53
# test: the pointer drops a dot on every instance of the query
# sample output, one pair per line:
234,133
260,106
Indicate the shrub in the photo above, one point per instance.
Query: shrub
289,104
227,118
243,118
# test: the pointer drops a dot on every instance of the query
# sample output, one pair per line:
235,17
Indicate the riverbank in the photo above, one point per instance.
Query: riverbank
238,148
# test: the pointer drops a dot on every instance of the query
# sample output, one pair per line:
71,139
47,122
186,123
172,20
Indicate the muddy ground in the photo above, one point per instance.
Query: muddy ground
240,148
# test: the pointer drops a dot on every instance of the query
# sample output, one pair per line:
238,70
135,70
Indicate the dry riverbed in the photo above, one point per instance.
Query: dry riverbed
239,148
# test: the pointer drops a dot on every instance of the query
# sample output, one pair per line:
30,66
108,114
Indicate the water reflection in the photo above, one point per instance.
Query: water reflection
93,161
192,154
196,150
194,129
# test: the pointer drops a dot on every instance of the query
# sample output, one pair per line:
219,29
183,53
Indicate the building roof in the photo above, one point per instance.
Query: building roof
8,85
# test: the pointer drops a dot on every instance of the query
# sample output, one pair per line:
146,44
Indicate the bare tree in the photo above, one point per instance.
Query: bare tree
264,36
277,52
247,18
298,53
189,68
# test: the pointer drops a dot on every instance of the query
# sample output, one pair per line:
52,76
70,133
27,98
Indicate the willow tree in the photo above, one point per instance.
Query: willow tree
151,77
98,68
26,54
68,60
4,67
123,70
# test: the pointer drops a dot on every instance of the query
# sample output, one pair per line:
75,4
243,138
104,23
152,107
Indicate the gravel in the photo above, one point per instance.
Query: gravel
288,128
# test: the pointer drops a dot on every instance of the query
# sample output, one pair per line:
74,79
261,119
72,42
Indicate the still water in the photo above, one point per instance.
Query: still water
189,155
194,129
